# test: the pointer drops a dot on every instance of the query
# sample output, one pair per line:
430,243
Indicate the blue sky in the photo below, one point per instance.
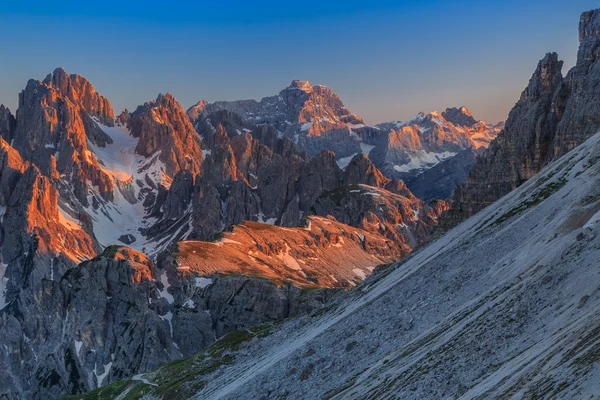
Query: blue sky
387,60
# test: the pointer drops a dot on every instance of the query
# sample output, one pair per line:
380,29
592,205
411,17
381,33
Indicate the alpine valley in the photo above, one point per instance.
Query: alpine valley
282,248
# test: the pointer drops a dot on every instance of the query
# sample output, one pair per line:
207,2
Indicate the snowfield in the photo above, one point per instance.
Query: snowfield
125,215
505,305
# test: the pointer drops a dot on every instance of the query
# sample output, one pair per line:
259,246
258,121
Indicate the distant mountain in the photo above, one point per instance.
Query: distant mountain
309,115
417,145
315,119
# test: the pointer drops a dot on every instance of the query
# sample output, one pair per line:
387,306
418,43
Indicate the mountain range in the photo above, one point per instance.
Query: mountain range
283,249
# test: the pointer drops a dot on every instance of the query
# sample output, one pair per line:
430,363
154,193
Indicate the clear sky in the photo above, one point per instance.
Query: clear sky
386,59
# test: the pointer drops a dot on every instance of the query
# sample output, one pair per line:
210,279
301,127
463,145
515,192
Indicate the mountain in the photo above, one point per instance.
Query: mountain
439,181
505,304
428,139
132,241
310,115
553,115
315,119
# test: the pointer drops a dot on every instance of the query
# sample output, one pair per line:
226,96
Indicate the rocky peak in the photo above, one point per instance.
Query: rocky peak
362,171
197,110
546,78
53,125
7,123
164,128
305,86
123,118
220,165
141,268
459,116
80,91
589,30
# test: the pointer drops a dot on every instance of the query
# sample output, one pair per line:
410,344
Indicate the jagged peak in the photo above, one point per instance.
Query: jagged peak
459,116
194,111
302,85
589,24
546,78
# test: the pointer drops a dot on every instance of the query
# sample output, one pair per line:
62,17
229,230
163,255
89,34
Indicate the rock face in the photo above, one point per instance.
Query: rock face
7,124
439,181
116,318
552,116
53,124
165,131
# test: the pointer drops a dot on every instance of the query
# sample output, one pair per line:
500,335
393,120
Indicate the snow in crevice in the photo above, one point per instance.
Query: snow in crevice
100,377
3,282
202,282
164,293
125,215
421,160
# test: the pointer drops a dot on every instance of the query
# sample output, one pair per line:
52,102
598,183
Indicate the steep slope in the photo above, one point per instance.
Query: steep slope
553,115
504,305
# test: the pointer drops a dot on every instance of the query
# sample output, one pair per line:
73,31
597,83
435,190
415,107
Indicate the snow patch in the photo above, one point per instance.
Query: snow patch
100,377
166,285
343,162
203,282
423,160
360,273
3,282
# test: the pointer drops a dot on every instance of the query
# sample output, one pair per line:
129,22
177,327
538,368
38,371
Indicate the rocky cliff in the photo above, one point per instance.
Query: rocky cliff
553,115
119,313
165,131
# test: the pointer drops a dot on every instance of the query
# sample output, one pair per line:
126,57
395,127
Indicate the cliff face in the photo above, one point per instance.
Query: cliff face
120,313
553,115
53,125
163,128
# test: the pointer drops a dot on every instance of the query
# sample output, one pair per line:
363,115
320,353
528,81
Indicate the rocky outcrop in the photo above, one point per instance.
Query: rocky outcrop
53,125
577,101
110,318
7,124
164,130
406,221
